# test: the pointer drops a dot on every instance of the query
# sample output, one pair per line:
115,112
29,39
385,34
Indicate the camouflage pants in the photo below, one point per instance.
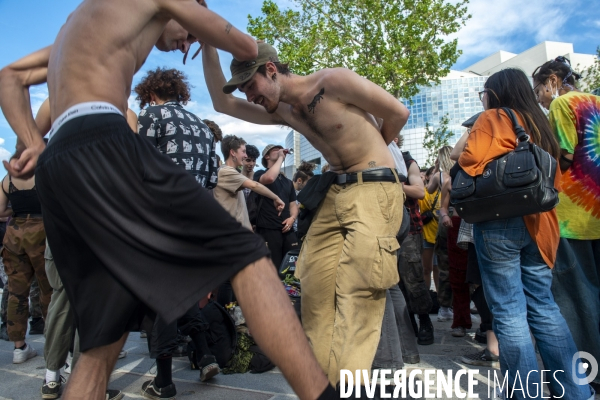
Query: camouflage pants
441,251
35,307
4,303
410,269
23,254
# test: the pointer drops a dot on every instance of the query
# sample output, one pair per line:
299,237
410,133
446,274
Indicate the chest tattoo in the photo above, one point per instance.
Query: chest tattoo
316,99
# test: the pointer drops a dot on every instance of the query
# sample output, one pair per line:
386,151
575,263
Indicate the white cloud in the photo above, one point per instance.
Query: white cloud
4,154
503,25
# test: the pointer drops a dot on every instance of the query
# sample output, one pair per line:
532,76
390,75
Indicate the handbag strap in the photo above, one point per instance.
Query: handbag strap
435,200
522,136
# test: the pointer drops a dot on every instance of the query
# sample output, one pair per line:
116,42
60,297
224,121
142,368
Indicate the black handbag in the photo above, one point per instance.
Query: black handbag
516,184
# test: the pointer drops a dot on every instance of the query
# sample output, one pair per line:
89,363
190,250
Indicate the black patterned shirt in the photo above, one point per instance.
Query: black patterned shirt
183,137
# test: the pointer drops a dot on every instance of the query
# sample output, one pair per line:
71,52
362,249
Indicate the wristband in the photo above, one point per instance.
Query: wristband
329,394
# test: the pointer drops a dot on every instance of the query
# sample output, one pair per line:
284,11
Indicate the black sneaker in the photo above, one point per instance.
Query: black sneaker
50,390
36,326
414,359
208,368
4,333
425,336
112,394
150,391
484,358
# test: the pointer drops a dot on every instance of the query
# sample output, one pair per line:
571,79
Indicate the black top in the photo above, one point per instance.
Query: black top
416,223
23,201
282,187
182,136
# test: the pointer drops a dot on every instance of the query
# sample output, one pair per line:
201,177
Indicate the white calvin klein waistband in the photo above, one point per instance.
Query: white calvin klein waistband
81,109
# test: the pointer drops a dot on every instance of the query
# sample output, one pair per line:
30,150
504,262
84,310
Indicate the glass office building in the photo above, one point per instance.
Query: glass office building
457,95
303,150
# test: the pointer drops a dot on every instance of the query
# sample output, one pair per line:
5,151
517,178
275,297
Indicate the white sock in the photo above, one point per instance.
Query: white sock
51,376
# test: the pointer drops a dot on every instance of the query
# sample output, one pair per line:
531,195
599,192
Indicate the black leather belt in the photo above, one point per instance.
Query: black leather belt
23,215
377,175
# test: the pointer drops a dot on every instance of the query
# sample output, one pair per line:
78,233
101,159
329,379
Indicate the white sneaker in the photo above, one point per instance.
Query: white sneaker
20,356
475,319
122,354
68,364
445,314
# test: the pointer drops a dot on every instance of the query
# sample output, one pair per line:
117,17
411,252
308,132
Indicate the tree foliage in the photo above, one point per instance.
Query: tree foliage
591,75
435,139
397,44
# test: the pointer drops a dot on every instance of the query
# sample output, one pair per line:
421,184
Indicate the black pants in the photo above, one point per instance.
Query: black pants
279,243
478,296
162,339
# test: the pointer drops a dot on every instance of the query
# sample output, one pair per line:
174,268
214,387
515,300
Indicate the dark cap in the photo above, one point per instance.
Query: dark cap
243,71
266,151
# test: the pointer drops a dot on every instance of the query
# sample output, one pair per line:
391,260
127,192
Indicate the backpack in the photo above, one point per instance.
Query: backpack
310,197
254,204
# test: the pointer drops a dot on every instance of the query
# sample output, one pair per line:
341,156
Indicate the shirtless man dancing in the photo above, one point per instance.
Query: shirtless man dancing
348,258
117,213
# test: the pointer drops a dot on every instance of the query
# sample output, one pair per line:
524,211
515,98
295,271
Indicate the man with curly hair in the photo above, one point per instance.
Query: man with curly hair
129,229
172,129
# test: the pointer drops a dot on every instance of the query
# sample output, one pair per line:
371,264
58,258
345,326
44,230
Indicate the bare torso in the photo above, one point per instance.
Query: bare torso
99,49
346,135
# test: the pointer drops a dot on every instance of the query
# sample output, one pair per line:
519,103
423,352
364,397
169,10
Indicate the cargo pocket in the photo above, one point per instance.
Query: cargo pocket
384,273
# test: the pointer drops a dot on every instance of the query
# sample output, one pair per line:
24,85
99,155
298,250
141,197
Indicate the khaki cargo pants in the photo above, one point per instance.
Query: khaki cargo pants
346,263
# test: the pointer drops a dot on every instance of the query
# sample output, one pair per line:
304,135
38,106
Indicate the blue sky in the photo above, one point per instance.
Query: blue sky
511,25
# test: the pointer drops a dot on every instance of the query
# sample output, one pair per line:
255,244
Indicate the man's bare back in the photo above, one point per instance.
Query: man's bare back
97,52
333,108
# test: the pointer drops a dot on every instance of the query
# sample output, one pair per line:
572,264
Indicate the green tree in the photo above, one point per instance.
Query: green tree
591,75
435,139
397,44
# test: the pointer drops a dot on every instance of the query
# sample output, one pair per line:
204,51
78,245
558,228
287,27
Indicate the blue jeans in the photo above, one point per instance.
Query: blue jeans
517,285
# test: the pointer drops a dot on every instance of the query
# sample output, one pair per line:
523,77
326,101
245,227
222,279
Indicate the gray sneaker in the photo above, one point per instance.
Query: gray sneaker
483,358
51,390
459,331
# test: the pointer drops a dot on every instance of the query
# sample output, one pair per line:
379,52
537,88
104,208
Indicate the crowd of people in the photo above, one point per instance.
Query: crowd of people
144,207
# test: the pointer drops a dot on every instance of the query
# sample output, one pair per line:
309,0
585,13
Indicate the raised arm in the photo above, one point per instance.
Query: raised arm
416,189
264,191
351,88
228,103
210,28
15,80
459,146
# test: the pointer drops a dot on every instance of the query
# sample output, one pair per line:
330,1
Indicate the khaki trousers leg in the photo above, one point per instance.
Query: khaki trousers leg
346,263
59,321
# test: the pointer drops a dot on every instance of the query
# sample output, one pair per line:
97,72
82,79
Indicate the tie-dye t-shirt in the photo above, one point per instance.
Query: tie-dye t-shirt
575,118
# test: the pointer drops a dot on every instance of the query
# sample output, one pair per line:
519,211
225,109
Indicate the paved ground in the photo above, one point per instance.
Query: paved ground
23,382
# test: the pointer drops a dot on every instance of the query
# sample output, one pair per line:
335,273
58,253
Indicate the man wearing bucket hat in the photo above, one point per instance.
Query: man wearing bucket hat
348,258
274,227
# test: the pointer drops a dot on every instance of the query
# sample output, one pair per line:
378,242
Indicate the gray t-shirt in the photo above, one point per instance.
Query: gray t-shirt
230,195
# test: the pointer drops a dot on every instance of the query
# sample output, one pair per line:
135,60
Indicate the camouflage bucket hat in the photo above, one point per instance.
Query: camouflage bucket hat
243,71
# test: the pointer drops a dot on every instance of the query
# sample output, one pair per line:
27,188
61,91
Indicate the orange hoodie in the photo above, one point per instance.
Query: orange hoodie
491,137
